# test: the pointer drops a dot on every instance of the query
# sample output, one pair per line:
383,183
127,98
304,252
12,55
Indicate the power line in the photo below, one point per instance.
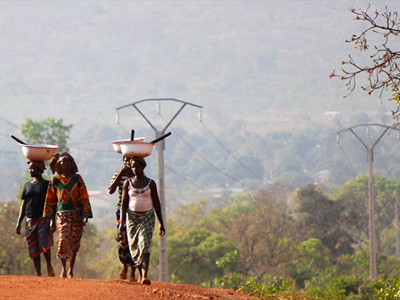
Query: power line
348,160
5,135
385,167
387,215
382,162
371,214
12,124
378,199
208,162
184,178
188,180
126,131
92,141
87,149
160,149
230,153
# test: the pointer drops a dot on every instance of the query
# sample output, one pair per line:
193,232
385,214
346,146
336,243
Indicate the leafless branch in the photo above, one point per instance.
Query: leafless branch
383,69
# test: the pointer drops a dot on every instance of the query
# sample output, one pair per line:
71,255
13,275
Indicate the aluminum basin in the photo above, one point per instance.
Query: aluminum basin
136,149
39,151
117,144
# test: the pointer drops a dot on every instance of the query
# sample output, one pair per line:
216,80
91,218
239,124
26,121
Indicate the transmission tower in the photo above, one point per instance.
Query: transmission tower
163,276
370,158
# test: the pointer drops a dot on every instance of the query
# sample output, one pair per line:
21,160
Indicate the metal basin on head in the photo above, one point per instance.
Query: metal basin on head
38,152
117,144
133,149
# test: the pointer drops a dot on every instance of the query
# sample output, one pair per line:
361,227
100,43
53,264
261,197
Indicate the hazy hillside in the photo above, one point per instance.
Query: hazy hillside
256,67
251,56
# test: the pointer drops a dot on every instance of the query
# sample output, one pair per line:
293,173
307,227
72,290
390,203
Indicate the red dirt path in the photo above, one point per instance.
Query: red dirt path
46,288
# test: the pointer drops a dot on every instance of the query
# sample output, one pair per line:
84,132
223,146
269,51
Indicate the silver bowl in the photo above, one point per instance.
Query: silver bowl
133,149
117,144
39,152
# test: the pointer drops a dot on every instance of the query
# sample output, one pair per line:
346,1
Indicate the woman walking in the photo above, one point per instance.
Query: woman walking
139,203
38,235
124,254
68,199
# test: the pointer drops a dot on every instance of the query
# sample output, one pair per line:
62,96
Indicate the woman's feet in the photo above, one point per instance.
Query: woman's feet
50,271
132,276
146,281
64,273
124,272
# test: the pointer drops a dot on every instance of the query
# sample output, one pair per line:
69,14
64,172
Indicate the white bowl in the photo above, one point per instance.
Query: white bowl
117,144
39,151
136,149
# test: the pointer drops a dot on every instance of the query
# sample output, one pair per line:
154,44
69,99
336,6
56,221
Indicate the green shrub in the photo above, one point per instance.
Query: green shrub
387,289
270,290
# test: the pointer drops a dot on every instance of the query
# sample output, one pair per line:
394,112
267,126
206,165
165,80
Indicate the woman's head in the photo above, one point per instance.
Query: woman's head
36,168
126,161
38,163
63,162
138,164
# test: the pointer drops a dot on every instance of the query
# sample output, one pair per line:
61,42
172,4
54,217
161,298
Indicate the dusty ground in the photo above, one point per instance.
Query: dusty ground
44,288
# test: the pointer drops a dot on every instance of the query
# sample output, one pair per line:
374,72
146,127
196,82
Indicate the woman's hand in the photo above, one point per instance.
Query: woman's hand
18,229
85,220
120,231
53,227
162,230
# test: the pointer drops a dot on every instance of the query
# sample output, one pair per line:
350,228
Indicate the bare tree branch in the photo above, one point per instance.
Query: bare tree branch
383,69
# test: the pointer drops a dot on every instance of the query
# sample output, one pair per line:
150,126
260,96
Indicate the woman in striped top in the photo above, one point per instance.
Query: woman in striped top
123,248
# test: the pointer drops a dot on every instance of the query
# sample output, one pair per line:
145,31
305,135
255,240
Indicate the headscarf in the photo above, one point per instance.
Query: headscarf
37,163
139,160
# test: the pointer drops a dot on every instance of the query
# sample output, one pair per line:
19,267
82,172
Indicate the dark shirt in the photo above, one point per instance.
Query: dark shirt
34,194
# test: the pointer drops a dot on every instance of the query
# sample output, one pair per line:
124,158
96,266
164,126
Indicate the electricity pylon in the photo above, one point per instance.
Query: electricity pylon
373,275
163,276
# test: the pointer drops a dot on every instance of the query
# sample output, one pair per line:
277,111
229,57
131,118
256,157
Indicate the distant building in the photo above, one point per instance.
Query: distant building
321,176
332,114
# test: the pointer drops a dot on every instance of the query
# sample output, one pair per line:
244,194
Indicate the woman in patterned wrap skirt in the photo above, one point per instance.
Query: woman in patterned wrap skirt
139,203
68,199
37,228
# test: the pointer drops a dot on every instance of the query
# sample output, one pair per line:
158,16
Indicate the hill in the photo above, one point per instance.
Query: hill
256,68
81,60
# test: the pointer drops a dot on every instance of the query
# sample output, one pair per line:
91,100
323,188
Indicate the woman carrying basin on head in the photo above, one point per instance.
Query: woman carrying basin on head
140,204
37,229
124,254
68,199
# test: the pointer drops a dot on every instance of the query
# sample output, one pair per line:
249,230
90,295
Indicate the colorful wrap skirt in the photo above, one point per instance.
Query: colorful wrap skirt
70,230
38,236
140,228
123,247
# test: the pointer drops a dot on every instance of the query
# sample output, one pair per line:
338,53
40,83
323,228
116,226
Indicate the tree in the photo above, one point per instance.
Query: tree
323,217
259,225
195,253
194,249
309,261
383,67
353,197
47,131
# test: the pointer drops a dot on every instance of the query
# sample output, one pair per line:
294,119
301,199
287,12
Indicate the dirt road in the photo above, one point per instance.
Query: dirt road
46,288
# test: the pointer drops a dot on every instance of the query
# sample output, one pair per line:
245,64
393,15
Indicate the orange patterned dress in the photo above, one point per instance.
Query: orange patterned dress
68,199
